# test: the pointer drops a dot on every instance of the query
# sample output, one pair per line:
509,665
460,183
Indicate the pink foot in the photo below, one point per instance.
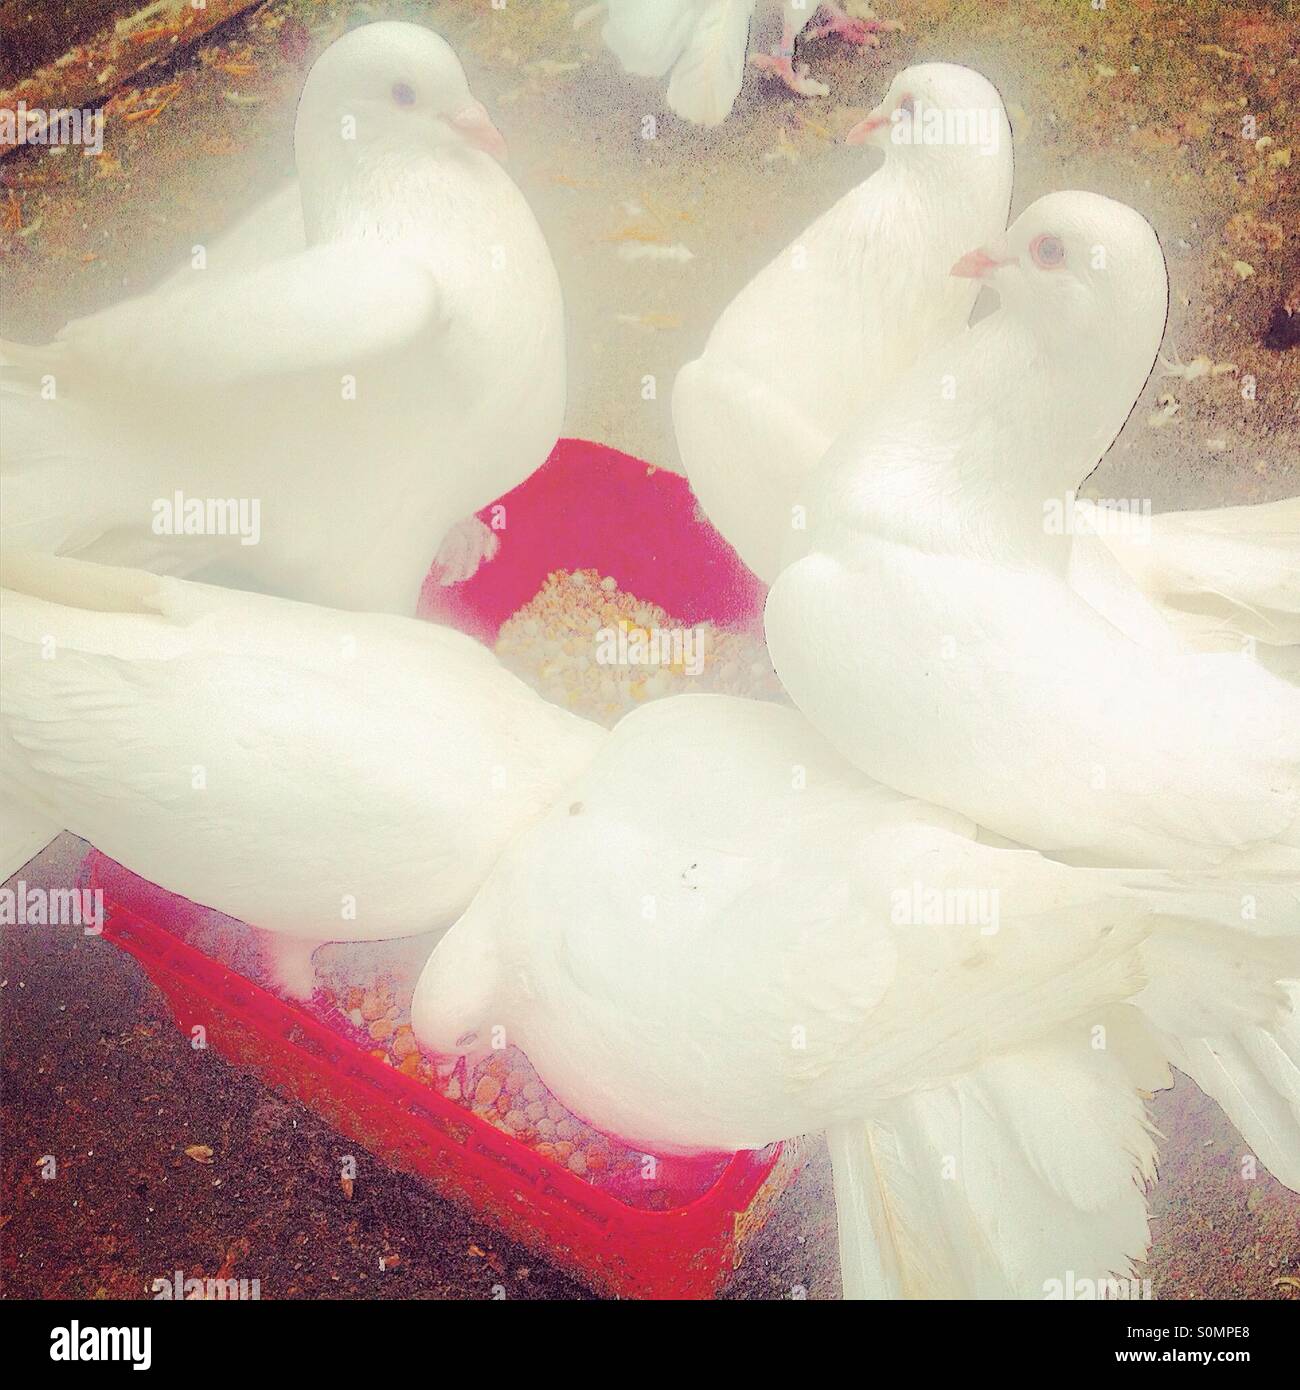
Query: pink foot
850,29
797,79
469,544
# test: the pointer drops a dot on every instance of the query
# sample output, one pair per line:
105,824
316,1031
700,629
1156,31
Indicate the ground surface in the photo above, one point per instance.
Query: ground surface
1142,100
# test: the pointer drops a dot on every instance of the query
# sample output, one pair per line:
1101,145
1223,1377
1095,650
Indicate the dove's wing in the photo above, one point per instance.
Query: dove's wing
1041,720
267,758
329,306
270,231
747,450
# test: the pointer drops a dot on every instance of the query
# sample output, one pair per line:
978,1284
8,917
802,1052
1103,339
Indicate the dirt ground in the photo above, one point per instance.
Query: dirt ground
1141,99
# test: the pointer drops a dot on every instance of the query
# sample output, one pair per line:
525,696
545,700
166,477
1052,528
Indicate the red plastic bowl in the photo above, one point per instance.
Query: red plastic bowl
587,507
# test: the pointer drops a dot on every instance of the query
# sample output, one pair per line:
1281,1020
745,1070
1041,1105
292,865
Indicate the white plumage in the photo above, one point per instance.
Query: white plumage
932,634
721,936
271,760
823,333
934,590
372,356
1223,578
699,44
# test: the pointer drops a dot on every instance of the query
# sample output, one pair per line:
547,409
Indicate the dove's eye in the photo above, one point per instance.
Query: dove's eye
467,1039
403,94
1048,251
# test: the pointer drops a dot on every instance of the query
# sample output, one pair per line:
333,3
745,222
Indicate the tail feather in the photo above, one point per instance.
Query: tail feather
1225,998
1222,571
707,77
1254,1076
647,39
1029,1170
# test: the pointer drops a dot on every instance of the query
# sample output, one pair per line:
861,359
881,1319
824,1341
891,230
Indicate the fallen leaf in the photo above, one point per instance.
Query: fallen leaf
200,1153
651,320
648,251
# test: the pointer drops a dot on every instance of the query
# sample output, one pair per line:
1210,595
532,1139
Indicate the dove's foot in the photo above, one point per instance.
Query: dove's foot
796,78
469,544
849,28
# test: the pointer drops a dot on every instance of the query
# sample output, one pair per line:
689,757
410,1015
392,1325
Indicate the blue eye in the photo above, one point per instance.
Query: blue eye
403,94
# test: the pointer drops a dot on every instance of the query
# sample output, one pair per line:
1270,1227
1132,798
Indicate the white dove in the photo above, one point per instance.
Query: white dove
370,357
701,45
936,595
324,775
821,335
721,936
932,635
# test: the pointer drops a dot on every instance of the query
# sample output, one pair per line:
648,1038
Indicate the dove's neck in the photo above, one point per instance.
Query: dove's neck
384,193
980,450
952,202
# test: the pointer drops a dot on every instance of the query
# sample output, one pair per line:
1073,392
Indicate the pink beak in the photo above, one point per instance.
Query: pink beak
476,126
977,265
863,131
448,1067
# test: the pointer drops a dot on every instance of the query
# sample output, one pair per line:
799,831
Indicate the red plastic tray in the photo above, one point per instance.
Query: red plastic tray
589,507
586,507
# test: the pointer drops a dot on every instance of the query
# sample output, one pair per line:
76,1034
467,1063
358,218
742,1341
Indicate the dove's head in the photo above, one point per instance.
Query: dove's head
937,115
1086,274
389,86
455,1010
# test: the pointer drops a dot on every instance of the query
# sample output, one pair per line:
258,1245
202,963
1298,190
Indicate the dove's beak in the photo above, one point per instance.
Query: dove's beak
448,1066
978,265
866,132
476,126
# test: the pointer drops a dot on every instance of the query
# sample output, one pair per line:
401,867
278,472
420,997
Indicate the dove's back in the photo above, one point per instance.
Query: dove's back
722,935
